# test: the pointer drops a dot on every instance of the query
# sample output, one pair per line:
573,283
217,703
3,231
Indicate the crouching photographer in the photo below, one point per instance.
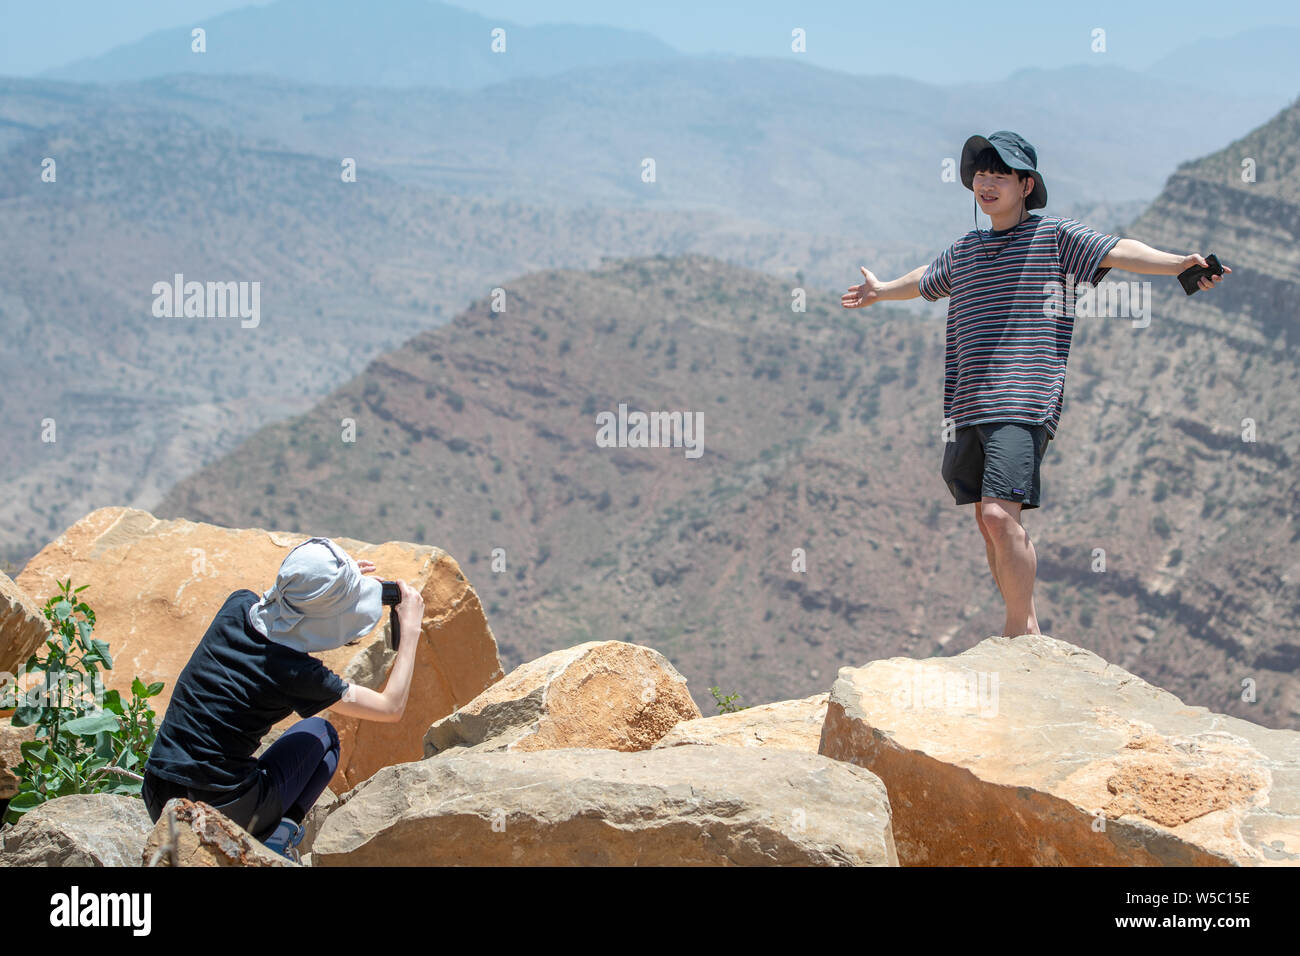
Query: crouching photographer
253,668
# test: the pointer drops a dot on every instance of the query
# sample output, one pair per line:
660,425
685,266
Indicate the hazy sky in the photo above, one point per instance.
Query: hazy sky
934,41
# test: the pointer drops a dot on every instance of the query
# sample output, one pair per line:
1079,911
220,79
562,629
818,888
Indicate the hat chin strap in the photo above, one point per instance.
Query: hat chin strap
975,208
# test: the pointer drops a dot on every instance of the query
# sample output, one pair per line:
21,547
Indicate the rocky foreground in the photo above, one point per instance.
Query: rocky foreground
1020,751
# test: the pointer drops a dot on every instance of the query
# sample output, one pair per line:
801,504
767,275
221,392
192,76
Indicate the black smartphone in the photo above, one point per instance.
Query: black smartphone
391,595
1189,277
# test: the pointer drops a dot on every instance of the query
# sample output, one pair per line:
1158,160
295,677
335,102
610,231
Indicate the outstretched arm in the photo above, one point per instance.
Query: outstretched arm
1133,256
873,290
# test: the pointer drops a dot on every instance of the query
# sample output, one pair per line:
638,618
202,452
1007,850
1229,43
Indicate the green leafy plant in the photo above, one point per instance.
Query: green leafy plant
87,739
726,705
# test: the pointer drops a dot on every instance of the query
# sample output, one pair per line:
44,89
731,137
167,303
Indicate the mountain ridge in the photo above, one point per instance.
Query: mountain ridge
400,43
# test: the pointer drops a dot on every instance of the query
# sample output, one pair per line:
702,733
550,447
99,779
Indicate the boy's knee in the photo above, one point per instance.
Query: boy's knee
998,523
322,730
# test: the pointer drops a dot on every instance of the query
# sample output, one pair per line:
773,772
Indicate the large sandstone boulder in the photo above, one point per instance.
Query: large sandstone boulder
677,806
198,835
155,586
11,738
22,626
1031,751
91,829
789,724
605,694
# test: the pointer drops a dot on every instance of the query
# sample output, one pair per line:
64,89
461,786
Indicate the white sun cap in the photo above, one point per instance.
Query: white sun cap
320,599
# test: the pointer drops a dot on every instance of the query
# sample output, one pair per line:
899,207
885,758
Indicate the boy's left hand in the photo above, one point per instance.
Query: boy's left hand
367,567
1206,282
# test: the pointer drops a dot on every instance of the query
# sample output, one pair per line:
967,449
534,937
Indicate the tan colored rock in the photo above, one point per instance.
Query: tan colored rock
1031,751
713,806
789,724
11,738
89,829
315,819
22,626
155,586
606,694
203,836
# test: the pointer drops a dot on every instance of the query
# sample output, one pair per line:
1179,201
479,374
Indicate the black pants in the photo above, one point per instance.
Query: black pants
290,776
255,807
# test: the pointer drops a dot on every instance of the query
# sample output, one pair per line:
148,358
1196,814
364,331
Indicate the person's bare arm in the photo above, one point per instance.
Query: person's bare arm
1134,256
388,705
873,290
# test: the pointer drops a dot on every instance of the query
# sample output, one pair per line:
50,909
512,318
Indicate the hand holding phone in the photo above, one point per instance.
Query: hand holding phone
1191,277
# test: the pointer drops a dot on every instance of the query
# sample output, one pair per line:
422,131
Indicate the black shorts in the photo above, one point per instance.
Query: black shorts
995,460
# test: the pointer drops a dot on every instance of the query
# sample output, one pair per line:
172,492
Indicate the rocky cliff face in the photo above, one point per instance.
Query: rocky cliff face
139,401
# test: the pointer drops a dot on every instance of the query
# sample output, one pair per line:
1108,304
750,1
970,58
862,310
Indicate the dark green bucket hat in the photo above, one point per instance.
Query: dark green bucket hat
1015,151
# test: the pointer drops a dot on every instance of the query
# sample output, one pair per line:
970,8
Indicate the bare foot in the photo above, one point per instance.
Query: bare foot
1009,631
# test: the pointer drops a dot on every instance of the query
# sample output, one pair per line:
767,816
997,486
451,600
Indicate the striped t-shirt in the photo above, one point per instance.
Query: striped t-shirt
1008,336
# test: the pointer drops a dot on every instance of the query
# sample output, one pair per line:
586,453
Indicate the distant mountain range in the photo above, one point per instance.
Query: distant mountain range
396,43
1263,62
769,139
423,43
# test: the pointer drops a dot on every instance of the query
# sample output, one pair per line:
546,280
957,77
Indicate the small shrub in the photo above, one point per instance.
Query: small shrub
726,705
95,745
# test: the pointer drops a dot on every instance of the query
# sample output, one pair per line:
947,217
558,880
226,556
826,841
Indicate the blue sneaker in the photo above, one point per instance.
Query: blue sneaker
285,839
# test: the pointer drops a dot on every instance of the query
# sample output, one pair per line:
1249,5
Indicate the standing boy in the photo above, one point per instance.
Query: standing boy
1004,367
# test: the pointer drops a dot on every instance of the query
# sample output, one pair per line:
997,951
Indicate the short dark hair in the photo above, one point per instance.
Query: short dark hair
988,161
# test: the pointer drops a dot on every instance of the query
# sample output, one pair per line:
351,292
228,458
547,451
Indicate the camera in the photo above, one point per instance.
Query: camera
392,595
